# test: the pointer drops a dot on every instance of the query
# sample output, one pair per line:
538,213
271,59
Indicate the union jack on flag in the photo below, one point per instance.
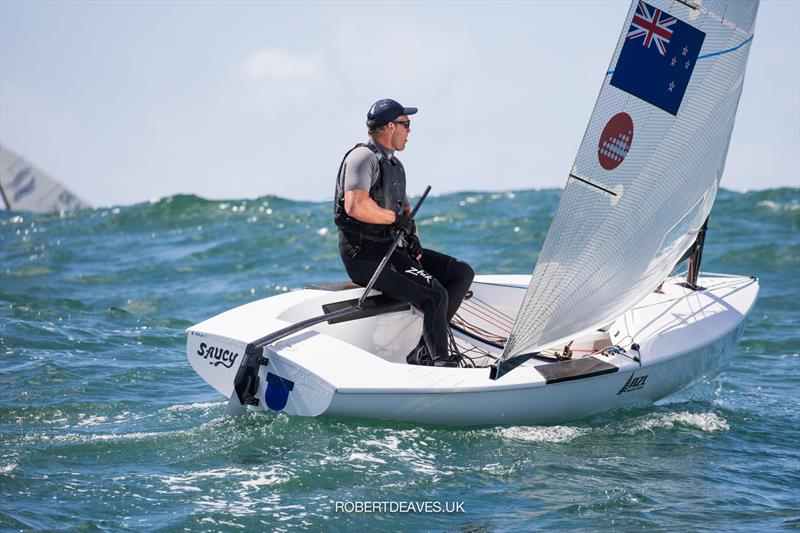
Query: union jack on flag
652,24
653,76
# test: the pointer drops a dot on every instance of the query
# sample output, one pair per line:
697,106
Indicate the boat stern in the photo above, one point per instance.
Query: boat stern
215,358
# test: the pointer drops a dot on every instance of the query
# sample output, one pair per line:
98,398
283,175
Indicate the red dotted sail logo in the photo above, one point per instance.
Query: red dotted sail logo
615,141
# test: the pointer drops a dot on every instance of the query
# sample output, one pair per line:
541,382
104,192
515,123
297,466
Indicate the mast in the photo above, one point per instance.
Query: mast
695,254
6,205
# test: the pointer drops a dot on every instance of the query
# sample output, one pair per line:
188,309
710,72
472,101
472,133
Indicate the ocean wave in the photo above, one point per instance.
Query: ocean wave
201,406
85,420
542,433
98,393
247,479
709,421
777,206
8,467
365,457
79,438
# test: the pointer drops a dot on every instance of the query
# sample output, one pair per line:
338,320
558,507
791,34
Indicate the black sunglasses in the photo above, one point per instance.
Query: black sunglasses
406,123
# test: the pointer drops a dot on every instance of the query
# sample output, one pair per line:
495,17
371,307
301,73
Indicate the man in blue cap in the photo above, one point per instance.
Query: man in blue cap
370,206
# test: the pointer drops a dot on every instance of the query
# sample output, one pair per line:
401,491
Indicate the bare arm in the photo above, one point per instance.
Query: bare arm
360,206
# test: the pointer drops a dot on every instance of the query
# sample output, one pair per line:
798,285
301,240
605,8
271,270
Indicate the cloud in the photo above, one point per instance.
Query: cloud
281,66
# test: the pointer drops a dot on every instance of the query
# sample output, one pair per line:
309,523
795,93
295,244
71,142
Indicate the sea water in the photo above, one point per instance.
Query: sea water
105,426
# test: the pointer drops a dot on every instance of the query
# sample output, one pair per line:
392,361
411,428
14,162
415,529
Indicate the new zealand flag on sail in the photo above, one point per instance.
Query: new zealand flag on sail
657,58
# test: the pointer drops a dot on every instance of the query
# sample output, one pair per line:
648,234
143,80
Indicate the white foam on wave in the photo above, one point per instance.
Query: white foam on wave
106,437
8,467
410,447
365,457
192,406
80,438
709,422
91,420
128,416
498,469
392,444
247,479
261,479
542,433
775,206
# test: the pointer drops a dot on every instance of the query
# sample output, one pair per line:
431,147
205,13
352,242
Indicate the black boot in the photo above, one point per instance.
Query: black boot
445,361
420,355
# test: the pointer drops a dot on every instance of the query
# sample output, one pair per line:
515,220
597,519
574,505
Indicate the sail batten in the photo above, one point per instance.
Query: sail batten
647,171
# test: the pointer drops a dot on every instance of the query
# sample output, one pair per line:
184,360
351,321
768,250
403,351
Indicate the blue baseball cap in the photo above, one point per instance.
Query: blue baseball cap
384,111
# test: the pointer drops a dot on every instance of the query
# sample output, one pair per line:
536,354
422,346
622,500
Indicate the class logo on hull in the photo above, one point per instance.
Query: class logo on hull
634,383
217,356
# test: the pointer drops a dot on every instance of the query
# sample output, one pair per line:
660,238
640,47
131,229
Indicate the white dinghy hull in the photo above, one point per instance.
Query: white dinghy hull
357,368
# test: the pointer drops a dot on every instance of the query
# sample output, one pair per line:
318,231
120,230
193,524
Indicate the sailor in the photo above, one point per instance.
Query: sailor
370,207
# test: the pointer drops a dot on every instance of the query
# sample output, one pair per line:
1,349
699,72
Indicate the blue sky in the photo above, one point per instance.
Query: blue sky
126,101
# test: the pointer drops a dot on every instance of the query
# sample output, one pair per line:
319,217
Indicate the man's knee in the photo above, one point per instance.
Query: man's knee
442,296
470,274
435,299
463,271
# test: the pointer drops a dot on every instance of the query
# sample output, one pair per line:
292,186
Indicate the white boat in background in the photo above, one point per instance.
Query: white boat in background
23,187
600,324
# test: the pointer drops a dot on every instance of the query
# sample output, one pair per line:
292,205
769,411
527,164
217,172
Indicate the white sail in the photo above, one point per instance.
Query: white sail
647,171
27,188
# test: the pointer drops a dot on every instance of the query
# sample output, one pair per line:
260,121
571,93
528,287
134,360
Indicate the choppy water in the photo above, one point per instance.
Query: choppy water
104,425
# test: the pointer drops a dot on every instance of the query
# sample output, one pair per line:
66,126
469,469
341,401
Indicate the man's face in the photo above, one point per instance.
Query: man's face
401,125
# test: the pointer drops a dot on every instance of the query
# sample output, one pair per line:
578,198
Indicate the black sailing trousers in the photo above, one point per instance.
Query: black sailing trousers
436,285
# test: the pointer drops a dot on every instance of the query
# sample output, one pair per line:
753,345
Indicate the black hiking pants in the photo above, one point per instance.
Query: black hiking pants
436,285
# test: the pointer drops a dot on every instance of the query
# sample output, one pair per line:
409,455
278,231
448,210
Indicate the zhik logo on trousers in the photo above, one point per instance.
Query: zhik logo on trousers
421,273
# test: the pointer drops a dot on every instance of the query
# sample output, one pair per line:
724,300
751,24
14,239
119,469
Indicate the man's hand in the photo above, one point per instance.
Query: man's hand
404,223
413,246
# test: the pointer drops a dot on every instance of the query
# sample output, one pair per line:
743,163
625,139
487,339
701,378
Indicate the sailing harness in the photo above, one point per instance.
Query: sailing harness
388,191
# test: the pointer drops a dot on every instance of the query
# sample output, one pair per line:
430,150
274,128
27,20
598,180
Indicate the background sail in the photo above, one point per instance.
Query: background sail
647,170
26,188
